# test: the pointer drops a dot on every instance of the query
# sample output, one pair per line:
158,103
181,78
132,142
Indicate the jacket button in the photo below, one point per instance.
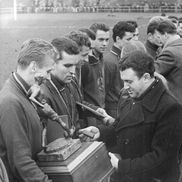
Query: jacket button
126,141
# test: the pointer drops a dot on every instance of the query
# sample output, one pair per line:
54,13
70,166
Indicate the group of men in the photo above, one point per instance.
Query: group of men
142,117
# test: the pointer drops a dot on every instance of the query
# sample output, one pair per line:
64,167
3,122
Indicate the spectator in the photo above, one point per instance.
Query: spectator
90,34
136,33
122,34
179,28
169,62
153,43
84,46
93,75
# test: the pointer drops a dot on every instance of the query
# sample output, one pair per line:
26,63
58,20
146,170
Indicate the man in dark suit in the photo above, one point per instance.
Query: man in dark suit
122,34
148,131
169,61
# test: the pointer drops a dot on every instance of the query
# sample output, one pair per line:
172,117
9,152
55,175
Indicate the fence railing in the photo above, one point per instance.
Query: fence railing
115,9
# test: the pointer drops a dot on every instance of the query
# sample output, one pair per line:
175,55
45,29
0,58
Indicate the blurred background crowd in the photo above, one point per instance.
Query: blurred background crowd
63,6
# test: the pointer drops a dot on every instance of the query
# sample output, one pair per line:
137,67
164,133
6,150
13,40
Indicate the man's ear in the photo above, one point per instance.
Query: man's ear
166,35
146,76
149,36
33,66
118,38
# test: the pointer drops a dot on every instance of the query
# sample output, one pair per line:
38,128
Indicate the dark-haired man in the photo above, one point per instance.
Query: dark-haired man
84,46
153,43
62,91
90,34
148,131
93,74
20,126
136,32
122,34
169,62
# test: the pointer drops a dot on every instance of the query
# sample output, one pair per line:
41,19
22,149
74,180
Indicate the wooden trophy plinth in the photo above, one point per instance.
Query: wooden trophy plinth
90,163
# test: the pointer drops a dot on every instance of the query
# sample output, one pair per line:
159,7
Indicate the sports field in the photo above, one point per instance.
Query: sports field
49,26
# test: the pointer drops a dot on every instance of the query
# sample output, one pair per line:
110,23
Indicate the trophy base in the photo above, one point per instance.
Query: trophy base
90,163
59,150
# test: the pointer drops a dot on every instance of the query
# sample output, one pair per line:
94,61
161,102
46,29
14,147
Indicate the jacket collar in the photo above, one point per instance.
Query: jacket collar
116,51
153,94
95,57
21,82
151,45
58,83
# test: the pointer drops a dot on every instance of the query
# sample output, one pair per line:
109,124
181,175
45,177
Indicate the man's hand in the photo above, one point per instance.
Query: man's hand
90,133
114,160
108,120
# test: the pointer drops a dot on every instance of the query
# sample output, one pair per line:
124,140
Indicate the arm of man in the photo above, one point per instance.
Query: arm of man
165,62
17,140
165,146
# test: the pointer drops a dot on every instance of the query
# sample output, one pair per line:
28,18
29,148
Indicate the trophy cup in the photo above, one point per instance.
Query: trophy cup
67,159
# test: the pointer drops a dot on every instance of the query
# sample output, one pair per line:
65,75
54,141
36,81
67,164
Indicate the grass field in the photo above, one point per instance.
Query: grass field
49,26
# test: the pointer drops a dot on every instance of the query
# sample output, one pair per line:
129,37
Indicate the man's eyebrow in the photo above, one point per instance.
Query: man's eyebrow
68,64
129,38
85,54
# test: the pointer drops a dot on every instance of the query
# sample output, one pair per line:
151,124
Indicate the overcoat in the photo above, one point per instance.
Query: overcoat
169,64
148,135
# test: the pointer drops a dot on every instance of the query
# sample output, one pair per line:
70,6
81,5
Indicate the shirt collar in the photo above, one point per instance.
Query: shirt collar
23,84
152,95
116,51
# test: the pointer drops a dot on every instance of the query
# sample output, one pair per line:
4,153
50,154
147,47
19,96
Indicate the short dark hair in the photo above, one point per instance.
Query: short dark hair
167,26
180,20
152,27
120,28
99,26
80,38
65,44
35,50
89,32
132,22
173,18
140,62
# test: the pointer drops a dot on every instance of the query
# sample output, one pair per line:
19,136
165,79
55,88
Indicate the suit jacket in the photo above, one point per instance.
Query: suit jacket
62,98
148,135
113,82
169,64
20,134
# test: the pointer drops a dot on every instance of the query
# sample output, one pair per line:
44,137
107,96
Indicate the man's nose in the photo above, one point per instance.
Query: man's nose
48,76
126,86
72,69
105,42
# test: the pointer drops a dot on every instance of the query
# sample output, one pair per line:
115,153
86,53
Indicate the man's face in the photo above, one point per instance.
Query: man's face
156,38
135,34
65,68
134,85
84,53
125,40
179,29
101,42
163,37
43,73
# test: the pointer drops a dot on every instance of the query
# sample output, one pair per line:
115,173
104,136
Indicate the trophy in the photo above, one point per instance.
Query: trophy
67,159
